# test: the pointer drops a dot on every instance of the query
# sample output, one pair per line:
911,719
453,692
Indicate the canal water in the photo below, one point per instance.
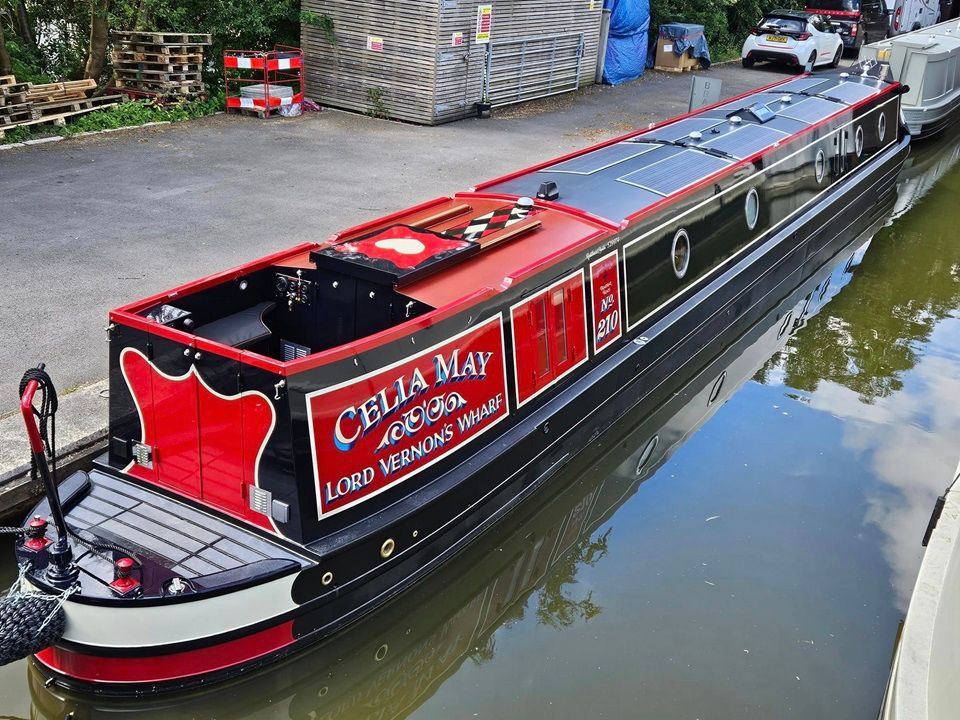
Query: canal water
746,549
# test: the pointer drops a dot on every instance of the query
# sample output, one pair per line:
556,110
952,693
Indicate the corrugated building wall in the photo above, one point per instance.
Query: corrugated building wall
422,75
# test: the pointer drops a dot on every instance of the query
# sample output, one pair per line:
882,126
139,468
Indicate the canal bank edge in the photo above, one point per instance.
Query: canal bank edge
81,434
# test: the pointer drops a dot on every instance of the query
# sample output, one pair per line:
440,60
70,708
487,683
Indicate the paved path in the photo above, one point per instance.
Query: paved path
91,223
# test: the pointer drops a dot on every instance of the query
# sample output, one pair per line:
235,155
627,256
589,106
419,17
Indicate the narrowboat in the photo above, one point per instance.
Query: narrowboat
296,441
925,63
390,663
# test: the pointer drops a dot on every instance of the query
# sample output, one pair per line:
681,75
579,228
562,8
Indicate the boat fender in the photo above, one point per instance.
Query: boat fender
30,622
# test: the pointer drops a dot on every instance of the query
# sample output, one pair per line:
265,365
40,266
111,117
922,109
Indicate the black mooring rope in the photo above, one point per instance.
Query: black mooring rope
46,415
47,423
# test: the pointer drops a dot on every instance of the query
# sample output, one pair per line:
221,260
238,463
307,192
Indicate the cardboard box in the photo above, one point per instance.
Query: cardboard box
666,58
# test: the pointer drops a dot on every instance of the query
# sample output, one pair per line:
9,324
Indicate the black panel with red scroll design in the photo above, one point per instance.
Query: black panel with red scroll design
372,432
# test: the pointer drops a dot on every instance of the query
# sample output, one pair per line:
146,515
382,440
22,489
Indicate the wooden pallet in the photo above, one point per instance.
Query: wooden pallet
58,120
13,99
60,107
682,69
255,111
172,87
14,87
156,75
18,117
68,90
125,56
161,38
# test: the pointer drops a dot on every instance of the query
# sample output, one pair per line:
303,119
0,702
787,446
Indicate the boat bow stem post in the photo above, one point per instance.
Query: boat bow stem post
61,572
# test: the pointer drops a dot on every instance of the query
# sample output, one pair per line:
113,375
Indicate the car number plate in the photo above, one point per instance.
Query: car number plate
776,38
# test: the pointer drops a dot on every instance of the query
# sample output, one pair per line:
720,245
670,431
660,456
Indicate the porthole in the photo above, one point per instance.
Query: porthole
751,208
327,578
858,142
381,652
881,126
647,452
386,550
820,166
680,253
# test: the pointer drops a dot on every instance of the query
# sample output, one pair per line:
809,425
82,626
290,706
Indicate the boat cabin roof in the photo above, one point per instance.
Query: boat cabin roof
621,180
450,250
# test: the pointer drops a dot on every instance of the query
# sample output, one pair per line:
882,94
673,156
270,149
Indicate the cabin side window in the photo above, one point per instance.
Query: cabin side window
549,335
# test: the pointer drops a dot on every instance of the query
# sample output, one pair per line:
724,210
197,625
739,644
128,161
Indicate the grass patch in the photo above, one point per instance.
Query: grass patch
128,114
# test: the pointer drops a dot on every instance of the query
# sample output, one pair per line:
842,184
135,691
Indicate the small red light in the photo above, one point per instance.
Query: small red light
804,36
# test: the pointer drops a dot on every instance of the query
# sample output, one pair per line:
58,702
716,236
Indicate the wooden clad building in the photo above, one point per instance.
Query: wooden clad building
419,60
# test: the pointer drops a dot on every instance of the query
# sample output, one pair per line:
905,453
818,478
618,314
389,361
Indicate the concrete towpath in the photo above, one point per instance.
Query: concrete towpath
91,223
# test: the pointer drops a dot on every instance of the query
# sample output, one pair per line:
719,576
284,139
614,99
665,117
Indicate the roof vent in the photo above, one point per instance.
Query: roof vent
786,99
844,75
548,191
695,135
523,207
735,119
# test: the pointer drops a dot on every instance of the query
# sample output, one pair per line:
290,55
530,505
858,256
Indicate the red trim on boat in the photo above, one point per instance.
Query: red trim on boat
165,668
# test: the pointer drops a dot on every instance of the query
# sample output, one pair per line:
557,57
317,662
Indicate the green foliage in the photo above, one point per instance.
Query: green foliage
26,62
62,28
378,108
128,114
324,22
725,22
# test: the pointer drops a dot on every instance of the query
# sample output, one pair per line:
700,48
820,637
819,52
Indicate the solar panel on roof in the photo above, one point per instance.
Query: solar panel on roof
675,173
810,109
746,140
679,129
850,92
600,159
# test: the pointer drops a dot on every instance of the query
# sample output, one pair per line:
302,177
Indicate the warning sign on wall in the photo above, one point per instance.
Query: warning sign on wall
374,43
484,18
456,40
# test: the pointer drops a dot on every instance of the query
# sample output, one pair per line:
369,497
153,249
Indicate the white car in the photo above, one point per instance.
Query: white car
795,38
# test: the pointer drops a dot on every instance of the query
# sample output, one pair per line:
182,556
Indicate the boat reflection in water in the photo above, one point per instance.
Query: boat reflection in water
923,169
389,664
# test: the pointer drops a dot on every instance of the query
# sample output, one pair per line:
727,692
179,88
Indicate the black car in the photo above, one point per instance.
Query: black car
856,21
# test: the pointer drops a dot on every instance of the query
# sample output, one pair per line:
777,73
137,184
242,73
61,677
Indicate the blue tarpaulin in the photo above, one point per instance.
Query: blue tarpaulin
627,42
685,37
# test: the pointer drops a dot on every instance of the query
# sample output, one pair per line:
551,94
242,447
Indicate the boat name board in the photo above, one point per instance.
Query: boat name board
377,430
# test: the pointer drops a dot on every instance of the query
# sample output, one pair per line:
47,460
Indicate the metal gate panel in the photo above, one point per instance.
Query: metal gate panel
533,67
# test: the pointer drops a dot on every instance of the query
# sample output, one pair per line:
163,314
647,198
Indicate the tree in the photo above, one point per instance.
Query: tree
99,36
5,66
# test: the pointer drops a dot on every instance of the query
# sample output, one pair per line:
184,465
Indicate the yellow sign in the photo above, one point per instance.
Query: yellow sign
484,21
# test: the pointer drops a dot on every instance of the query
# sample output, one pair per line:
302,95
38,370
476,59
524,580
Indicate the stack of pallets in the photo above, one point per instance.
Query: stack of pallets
15,108
29,104
164,65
